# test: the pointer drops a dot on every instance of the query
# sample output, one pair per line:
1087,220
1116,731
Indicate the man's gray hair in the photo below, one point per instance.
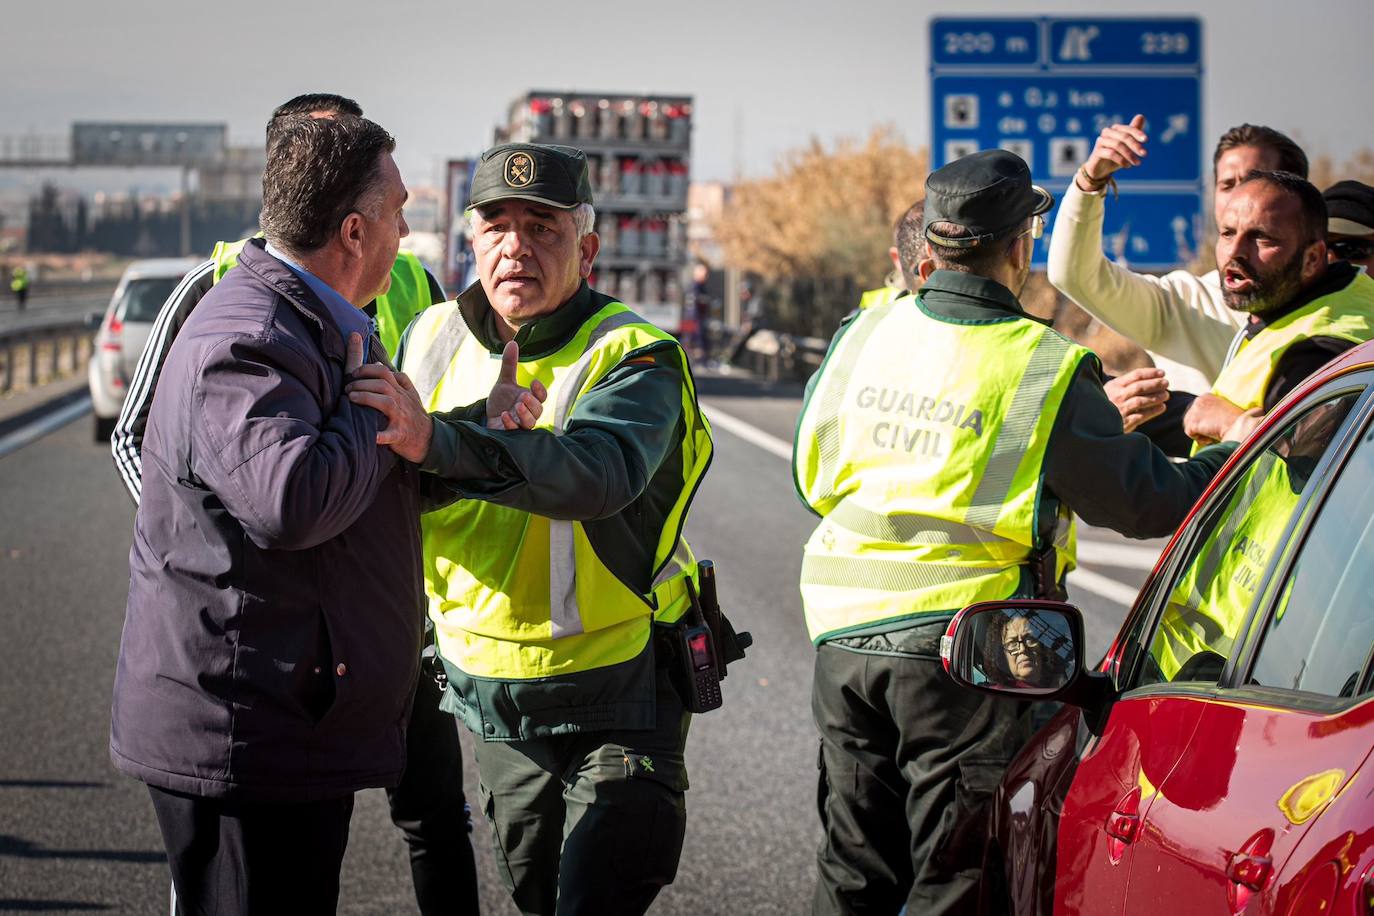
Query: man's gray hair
584,220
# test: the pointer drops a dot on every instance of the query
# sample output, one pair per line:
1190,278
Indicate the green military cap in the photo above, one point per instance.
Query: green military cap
985,193
543,173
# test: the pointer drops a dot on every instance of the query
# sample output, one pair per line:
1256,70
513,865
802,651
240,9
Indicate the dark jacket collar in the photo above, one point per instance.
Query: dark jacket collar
959,296
288,283
540,337
1335,278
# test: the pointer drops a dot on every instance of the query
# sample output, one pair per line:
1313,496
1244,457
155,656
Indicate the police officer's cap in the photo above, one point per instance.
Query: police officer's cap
987,194
1349,208
555,176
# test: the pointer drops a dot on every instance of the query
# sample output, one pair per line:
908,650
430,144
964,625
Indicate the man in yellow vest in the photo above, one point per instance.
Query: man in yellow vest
946,443
1301,311
19,285
553,596
428,805
908,245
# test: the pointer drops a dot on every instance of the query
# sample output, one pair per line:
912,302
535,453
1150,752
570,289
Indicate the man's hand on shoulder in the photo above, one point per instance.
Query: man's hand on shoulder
1211,419
408,426
509,404
1120,146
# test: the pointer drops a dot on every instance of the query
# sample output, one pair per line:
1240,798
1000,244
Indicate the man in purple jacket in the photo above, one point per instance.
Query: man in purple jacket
275,602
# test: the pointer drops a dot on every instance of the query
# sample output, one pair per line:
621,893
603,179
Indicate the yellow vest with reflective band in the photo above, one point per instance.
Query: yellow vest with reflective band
1209,604
880,296
19,280
515,595
921,446
407,296
1347,314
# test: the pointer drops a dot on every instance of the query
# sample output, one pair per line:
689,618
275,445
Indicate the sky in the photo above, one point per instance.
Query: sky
767,77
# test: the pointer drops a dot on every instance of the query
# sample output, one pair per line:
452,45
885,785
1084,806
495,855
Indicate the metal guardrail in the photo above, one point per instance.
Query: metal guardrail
39,346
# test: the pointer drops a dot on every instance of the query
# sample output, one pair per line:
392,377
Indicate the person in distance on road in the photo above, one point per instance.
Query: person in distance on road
946,444
908,246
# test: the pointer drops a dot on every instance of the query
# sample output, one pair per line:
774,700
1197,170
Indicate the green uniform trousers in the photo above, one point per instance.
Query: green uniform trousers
908,762
589,824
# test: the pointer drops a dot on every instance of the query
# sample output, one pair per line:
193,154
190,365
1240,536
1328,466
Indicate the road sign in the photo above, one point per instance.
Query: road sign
185,145
1044,88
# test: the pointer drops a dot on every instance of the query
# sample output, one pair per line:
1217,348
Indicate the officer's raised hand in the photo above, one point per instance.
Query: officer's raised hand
1139,395
1120,146
510,405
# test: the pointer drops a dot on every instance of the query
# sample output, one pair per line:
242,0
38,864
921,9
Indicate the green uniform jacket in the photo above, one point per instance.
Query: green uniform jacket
601,472
1109,478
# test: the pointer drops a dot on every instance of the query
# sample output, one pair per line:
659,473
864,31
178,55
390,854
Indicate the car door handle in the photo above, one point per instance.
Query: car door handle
1122,826
1250,871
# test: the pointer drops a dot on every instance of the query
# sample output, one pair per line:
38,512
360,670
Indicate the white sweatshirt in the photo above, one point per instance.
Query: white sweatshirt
1179,318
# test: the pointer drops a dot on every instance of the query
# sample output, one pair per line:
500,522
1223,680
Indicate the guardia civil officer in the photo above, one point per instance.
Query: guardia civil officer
945,443
551,595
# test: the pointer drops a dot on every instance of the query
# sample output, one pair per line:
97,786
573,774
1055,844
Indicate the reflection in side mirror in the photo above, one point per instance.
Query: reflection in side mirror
1025,648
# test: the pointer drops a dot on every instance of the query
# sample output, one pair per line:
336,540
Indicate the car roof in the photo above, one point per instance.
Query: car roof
159,267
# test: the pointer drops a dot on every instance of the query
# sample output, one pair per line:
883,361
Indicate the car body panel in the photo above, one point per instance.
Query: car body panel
134,307
1215,783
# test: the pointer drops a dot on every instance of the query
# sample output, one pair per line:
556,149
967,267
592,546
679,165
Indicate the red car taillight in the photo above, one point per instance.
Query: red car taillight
112,338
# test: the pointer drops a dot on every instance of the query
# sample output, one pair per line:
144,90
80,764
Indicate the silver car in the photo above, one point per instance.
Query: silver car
124,331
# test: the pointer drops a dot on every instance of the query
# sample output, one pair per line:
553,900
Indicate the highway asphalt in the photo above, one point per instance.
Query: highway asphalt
75,836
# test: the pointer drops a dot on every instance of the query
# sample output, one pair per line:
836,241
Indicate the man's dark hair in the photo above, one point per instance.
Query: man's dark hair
908,237
1291,157
982,259
319,171
1311,204
306,104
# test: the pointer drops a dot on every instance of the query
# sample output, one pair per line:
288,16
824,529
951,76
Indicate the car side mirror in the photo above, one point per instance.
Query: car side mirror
1026,649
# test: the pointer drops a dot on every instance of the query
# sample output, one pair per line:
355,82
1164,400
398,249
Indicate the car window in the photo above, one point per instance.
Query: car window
144,296
1321,632
1214,586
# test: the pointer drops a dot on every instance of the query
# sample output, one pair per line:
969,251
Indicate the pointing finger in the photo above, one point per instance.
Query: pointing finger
510,359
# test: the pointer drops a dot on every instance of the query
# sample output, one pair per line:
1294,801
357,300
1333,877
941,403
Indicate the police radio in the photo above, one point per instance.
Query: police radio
698,668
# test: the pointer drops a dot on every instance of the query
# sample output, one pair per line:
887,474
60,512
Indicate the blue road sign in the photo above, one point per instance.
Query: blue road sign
1045,88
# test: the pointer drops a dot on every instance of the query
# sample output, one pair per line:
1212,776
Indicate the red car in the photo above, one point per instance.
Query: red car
1215,761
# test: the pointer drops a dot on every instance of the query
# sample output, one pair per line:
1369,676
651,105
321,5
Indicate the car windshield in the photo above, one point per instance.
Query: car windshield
144,296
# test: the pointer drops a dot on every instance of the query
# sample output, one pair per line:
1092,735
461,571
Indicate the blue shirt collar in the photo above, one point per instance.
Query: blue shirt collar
348,317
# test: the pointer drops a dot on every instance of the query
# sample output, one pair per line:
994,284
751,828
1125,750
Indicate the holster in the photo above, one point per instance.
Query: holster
1044,565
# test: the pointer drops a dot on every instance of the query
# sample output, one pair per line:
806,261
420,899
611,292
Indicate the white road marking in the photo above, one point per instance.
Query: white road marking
1102,586
748,432
1128,555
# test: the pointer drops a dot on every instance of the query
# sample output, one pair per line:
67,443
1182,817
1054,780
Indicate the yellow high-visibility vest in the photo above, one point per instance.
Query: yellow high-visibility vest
514,595
880,296
407,296
1347,314
1209,604
921,447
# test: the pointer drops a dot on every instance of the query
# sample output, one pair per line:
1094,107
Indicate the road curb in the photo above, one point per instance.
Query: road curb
36,422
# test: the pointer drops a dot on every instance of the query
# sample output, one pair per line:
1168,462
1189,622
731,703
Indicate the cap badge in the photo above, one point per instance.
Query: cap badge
519,170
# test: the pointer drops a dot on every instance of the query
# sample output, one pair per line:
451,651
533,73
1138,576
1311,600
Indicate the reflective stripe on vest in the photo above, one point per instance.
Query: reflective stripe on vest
516,595
1347,314
1210,602
407,296
921,446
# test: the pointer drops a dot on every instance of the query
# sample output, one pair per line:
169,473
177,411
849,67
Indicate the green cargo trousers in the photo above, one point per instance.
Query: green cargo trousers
589,824
908,762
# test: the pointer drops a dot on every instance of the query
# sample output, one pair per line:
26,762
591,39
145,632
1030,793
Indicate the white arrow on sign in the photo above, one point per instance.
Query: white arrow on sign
1178,124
